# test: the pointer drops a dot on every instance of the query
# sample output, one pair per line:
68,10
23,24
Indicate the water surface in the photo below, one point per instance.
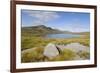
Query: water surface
62,35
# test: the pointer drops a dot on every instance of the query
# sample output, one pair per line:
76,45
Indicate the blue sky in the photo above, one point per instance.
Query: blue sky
66,21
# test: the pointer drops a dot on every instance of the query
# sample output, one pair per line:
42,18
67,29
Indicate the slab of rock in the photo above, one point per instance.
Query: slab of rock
77,47
51,51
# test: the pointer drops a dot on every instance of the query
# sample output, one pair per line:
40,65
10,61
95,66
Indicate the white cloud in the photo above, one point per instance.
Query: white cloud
42,17
74,28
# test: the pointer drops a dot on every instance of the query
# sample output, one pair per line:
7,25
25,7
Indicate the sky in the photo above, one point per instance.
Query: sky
66,21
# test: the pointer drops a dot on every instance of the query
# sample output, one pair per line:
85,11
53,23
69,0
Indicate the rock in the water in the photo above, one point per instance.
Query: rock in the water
51,51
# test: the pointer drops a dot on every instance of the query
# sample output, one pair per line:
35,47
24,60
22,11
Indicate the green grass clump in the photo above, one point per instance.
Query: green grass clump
84,55
34,55
66,54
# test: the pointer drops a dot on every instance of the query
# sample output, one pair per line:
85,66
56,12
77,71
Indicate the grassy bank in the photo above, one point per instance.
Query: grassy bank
30,42
36,55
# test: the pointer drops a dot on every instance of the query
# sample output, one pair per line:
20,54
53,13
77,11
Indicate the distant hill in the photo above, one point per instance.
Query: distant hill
38,30
42,30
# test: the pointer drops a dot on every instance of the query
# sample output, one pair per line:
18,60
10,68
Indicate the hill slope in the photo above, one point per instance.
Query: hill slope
39,30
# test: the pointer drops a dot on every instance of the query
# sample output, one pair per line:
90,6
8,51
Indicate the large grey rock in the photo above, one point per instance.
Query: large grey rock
51,51
76,47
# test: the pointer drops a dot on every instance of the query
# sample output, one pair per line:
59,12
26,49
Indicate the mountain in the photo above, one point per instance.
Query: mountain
39,30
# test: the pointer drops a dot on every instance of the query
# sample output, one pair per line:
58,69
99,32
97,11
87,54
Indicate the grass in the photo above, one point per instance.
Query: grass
30,42
36,55
33,55
65,55
84,55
